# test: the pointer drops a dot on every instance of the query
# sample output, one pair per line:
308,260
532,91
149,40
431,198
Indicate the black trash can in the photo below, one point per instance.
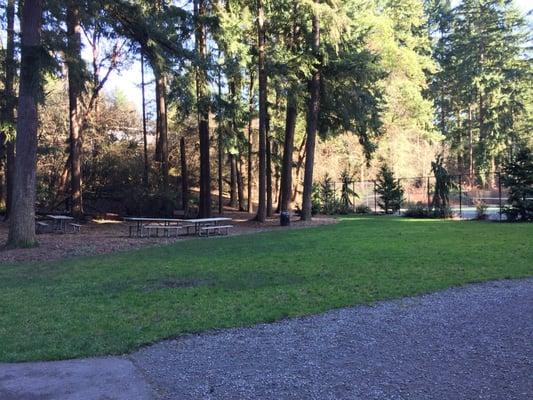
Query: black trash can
285,218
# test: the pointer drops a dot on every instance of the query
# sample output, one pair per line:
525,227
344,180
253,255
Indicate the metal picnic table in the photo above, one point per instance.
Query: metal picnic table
140,220
60,222
199,222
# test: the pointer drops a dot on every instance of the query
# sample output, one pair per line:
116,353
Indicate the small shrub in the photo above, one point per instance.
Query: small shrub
363,209
442,212
327,195
316,204
416,210
481,210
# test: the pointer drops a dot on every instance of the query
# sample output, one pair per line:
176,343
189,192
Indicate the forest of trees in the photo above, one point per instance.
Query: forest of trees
254,100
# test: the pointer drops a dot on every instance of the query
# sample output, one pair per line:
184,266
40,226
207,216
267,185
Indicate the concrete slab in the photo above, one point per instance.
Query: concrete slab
89,379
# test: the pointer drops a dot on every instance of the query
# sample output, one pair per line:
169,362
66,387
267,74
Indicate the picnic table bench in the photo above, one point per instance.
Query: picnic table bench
76,228
216,229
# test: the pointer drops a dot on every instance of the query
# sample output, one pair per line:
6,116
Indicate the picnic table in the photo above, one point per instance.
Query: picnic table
140,221
202,222
60,222
145,223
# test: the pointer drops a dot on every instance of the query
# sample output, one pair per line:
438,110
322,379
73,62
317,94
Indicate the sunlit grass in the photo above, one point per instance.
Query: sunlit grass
116,303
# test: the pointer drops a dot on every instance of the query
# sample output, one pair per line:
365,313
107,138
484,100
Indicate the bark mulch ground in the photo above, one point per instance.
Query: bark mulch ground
103,237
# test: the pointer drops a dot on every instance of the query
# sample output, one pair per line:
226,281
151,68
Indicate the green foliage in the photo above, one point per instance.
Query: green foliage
116,303
316,204
483,88
443,184
347,193
481,210
416,210
362,209
389,189
517,175
327,195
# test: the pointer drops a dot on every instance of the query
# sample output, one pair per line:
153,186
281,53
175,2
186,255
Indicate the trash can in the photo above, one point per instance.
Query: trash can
285,218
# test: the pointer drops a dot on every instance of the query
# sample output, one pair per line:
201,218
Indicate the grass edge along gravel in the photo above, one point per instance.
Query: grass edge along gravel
111,304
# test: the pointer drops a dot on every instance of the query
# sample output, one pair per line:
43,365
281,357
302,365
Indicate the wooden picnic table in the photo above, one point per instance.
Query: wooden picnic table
60,221
141,220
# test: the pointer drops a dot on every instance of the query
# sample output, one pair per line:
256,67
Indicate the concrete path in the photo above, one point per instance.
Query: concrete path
93,378
463,343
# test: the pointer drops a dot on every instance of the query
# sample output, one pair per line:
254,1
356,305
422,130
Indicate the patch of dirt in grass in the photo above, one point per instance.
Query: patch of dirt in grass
112,236
176,283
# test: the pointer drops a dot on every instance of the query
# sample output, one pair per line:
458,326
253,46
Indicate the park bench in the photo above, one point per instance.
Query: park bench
215,229
167,229
42,226
76,228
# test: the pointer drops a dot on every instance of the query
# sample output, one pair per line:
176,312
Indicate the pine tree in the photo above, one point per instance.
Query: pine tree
389,189
517,175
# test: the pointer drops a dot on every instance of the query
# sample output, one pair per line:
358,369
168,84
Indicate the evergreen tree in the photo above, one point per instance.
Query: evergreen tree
517,175
443,184
389,189
484,83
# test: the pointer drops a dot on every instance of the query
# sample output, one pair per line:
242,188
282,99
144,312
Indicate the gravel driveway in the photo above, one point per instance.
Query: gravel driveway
462,343
474,342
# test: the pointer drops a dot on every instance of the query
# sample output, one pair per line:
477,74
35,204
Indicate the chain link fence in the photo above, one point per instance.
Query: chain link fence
468,198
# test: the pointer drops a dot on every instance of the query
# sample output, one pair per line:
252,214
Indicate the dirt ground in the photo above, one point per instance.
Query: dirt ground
103,237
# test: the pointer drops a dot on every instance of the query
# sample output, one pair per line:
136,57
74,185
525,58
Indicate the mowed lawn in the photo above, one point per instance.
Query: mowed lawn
116,303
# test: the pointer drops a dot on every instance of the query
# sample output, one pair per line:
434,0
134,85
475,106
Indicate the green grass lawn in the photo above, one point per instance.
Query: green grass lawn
116,303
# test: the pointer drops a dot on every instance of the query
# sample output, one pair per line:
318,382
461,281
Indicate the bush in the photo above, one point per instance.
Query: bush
316,204
417,210
481,210
442,212
363,209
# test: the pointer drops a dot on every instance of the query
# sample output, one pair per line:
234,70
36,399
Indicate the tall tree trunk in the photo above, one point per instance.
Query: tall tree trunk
220,148
184,177
203,112
312,123
268,177
8,112
250,206
75,82
277,177
261,209
470,147
299,165
22,220
460,152
233,181
162,125
288,148
145,139
240,184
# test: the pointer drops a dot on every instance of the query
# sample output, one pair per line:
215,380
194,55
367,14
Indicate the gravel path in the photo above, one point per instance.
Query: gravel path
462,343
474,342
